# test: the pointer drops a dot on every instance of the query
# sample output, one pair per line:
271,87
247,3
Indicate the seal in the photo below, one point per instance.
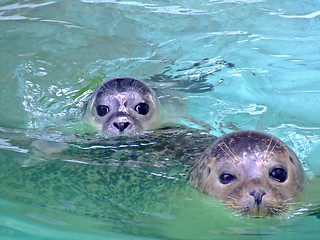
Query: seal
255,173
123,106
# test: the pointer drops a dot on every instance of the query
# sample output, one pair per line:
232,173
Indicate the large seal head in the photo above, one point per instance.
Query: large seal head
123,106
253,172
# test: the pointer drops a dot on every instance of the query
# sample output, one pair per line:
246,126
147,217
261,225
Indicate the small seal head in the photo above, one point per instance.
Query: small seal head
254,172
123,106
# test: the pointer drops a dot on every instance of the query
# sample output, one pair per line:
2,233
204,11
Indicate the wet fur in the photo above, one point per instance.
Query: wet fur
236,151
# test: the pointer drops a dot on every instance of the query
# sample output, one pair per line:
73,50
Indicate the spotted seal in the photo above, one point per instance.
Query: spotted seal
255,173
123,106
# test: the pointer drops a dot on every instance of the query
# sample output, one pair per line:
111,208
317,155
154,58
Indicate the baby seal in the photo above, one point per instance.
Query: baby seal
123,106
254,172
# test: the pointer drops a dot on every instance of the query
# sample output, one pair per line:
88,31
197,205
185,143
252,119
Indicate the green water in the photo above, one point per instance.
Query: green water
238,64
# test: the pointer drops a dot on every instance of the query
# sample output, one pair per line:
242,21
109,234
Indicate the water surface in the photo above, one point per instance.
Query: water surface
239,64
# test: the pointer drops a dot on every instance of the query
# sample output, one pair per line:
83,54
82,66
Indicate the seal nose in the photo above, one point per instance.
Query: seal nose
121,125
257,195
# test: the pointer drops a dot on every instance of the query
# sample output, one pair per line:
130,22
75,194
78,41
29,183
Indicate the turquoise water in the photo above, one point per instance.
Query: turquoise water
53,54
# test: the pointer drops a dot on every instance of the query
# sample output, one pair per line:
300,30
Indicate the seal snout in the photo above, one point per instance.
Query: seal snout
121,125
257,195
258,207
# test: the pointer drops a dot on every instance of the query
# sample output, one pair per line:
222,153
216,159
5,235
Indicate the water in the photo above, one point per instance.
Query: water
55,53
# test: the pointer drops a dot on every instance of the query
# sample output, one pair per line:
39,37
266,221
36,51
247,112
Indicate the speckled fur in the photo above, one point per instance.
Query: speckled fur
250,156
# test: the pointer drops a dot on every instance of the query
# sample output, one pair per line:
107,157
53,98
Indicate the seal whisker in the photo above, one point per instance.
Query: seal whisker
269,144
288,200
274,145
234,156
232,198
104,87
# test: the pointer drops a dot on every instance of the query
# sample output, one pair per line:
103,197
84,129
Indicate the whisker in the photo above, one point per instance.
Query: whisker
269,144
232,156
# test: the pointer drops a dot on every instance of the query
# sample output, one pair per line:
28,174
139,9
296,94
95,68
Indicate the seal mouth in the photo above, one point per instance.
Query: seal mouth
258,211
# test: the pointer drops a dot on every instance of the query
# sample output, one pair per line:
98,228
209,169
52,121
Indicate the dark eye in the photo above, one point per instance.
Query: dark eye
102,110
278,174
227,178
142,108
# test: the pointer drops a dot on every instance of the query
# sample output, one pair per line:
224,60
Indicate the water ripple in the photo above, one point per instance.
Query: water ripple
129,3
21,6
307,16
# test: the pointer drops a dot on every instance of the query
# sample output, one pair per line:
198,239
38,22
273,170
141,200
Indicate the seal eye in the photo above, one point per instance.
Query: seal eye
278,174
142,108
226,178
102,110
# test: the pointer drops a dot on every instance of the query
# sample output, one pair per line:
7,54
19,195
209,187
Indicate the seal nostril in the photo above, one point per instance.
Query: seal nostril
121,126
116,125
257,195
126,124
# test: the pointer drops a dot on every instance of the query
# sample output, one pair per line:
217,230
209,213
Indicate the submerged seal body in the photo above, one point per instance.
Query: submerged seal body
254,172
123,106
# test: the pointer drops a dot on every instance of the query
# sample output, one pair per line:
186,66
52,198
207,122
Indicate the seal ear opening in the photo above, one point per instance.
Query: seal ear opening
291,160
208,171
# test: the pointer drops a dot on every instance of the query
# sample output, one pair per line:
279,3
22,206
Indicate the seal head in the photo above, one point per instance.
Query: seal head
254,172
123,106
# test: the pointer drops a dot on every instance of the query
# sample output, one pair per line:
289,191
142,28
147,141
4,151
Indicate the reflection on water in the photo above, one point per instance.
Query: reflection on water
235,64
